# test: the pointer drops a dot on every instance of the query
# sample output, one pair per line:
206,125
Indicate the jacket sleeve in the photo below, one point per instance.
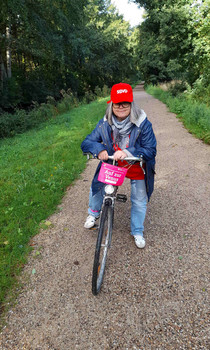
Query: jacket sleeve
93,142
145,144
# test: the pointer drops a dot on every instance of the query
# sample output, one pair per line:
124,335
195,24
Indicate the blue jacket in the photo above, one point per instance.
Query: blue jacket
142,143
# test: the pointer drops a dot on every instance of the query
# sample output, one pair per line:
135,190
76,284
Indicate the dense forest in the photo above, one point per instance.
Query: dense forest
49,46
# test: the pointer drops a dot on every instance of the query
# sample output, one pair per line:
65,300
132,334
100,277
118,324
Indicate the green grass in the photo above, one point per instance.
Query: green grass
36,168
194,115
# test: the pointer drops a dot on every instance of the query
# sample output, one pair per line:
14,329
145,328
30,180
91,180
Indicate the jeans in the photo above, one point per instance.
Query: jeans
138,205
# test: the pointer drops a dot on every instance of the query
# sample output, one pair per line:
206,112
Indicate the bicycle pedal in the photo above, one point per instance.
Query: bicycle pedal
121,198
95,227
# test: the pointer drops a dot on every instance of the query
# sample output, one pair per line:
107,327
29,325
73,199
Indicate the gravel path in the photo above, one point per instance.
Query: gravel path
155,298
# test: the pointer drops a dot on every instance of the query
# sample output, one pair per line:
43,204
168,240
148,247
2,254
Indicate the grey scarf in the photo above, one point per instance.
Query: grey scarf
121,131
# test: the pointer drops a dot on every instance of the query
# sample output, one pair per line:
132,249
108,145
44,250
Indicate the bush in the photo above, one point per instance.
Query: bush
89,97
102,92
11,124
68,102
21,120
177,88
201,89
98,91
105,91
194,115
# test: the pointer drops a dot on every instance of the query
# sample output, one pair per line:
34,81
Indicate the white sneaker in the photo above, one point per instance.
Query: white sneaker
90,221
140,241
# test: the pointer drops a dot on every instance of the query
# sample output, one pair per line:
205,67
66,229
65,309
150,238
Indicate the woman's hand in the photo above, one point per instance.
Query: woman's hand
103,155
119,155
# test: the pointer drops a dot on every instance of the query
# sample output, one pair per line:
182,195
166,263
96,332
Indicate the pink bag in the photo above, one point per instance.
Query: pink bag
111,174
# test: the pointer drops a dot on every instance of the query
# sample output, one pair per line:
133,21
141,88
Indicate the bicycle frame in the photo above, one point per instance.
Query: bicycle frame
105,228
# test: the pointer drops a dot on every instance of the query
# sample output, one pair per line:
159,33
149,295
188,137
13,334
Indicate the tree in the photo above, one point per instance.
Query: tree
168,40
62,44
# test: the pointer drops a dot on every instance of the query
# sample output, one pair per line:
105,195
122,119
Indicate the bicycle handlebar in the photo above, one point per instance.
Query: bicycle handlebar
128,158
136,159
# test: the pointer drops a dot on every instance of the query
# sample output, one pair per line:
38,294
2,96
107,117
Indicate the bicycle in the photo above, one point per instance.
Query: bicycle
105,228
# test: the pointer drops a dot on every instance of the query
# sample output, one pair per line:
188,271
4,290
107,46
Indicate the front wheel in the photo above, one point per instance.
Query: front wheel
102,245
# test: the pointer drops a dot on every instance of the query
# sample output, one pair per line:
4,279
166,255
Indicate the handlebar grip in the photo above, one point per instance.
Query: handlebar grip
137,159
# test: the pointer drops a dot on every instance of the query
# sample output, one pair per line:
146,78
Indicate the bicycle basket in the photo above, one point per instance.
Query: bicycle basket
112,174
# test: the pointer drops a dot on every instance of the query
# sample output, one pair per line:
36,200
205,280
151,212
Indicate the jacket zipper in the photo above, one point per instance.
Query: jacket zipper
137,135
107,144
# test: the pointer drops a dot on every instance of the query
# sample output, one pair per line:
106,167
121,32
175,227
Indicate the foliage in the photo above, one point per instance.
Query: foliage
177,88
200,20
194,115
175,43
59,45
200,90
21,120
164,43
36,168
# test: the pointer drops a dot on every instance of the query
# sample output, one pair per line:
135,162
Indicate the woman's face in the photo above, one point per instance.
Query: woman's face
121,110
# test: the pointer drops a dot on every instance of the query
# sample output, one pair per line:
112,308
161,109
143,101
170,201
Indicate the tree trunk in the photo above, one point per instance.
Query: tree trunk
3,73
8,51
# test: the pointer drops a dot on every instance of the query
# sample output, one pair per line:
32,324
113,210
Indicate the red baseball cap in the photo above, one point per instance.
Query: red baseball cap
121,92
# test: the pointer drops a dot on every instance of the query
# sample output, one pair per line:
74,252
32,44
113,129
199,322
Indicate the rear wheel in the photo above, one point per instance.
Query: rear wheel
102,245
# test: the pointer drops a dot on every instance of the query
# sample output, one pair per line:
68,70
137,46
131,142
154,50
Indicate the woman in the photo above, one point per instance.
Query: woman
124,131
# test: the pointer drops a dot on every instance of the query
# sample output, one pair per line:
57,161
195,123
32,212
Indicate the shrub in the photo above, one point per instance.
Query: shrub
201,89
98,91
102,92
105,91
194,115
51,100
89,97
177,88
68,102
21,120
11,124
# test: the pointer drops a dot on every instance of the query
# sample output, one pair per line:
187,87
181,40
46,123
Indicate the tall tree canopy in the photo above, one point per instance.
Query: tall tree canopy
174,40
48,45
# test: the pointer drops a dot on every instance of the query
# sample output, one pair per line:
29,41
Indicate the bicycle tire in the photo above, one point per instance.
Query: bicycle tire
102,245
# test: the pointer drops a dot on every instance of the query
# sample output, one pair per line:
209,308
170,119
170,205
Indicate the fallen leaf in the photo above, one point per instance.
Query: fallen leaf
48,223
33,271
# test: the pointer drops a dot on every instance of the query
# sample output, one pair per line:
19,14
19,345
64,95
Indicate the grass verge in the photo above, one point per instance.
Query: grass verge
36,168
194,115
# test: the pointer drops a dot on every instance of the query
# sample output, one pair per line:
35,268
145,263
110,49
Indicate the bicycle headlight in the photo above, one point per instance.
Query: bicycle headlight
109,189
